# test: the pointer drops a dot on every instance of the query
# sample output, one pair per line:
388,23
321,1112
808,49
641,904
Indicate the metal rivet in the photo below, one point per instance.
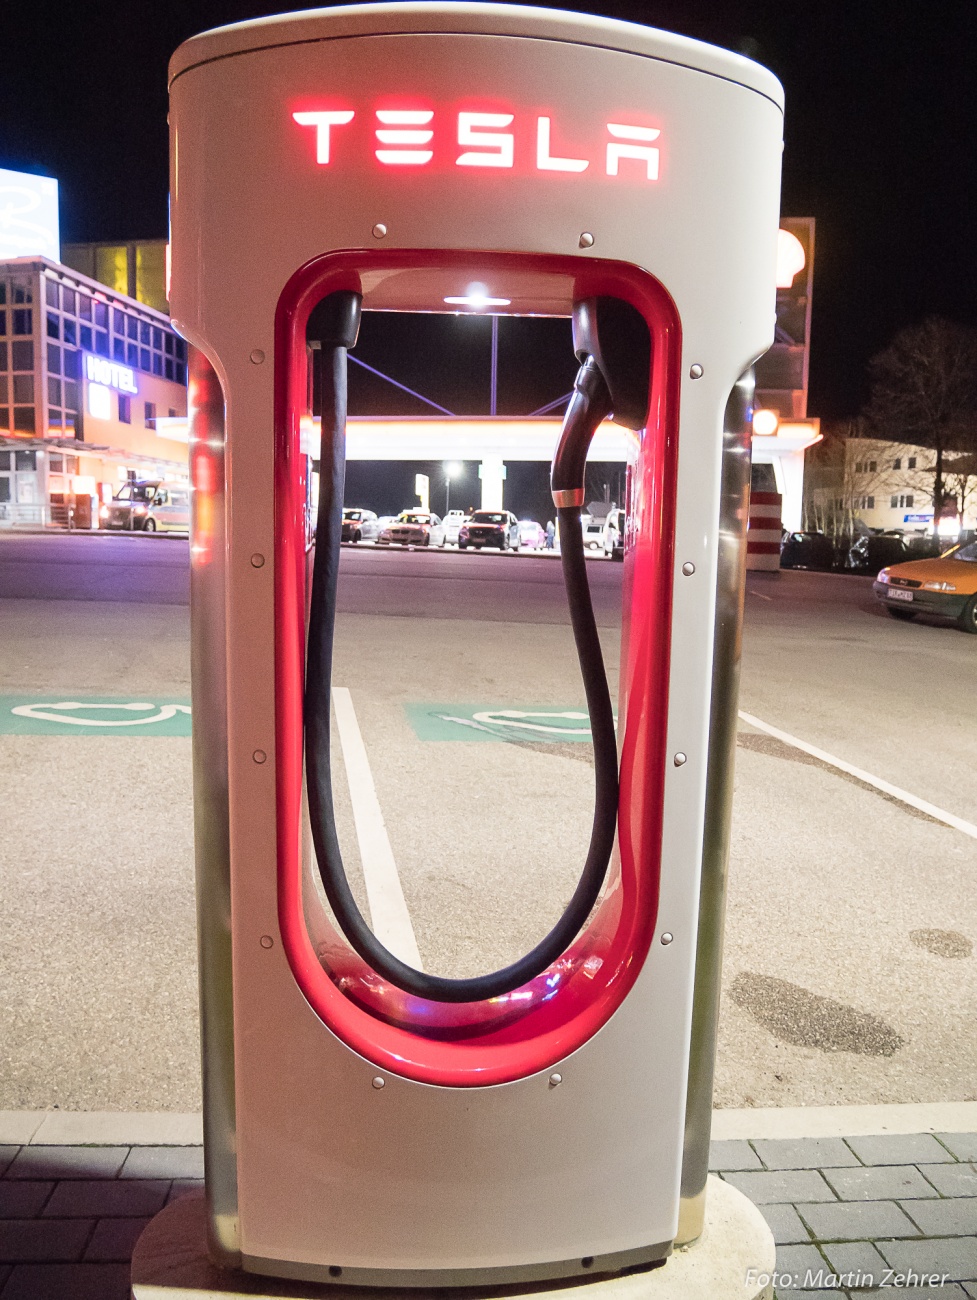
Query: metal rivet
257,356
688,568
379,1081
556,1080
257,561
680,758
259,755
335,1270
586,240
587,1261
379,230
667,938
696,371
266,941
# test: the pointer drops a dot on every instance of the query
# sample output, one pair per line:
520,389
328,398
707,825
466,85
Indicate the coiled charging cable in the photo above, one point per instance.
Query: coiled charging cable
334,323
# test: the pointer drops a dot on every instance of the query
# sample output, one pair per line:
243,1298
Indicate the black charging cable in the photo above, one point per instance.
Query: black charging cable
334,324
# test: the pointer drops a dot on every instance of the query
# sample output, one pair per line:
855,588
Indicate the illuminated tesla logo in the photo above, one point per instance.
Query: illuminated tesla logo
406,138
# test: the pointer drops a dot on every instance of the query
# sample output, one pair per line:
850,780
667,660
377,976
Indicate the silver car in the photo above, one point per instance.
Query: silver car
360,525
413,528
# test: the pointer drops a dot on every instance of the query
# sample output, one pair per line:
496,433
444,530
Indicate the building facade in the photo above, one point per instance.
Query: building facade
136,268
868,484
93,391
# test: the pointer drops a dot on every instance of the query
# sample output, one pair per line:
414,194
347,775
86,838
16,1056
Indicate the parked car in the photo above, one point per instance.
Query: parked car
532,535
453,521
360,525
593,534
490,528
614,534
946,586
807,551
149,507
872,550
413,528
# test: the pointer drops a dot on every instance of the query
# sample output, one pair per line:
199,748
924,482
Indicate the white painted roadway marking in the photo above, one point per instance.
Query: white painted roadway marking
931,810
388,909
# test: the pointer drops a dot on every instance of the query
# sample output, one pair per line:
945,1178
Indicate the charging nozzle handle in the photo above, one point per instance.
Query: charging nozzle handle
589,404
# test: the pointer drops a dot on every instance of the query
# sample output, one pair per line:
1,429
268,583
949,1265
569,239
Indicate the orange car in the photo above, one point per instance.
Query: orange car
946,586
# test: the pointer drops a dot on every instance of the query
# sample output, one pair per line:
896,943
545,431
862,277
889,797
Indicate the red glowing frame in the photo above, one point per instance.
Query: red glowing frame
530,1029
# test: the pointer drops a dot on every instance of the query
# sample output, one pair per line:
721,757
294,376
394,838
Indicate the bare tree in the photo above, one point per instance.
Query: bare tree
924,391
836,481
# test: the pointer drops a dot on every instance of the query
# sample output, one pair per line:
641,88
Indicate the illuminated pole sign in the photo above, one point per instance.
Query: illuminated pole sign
411,137
29,216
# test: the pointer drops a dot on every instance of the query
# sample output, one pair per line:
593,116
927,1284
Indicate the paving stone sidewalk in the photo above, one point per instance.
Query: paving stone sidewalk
888,1216
852,1216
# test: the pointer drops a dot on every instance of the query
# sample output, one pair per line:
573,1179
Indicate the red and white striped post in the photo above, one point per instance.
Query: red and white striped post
764,532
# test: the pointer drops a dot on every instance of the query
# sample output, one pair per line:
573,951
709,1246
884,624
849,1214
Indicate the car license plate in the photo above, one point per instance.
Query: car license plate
896,593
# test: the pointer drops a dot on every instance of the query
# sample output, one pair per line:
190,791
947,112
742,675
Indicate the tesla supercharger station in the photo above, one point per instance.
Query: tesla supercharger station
389,157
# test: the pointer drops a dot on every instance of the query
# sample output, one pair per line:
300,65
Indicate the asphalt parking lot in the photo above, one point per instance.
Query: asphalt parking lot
850,973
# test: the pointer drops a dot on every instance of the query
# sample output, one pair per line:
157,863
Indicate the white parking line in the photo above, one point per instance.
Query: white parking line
388,910
948,819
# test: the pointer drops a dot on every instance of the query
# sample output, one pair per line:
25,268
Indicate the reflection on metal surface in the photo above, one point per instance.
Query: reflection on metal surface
210,805
730,584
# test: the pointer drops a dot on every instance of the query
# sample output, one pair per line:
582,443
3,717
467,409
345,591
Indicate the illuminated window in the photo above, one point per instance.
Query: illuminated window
99,401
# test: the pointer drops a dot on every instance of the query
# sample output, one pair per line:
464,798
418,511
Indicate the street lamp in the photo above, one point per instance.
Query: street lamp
451,470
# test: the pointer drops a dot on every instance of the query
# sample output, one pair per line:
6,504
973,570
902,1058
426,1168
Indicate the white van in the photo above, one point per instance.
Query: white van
149,507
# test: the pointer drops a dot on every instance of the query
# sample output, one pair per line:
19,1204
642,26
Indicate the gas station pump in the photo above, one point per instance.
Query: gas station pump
367,1123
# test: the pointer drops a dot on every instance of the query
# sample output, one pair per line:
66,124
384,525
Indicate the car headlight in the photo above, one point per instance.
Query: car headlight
938,586
140,510
883,576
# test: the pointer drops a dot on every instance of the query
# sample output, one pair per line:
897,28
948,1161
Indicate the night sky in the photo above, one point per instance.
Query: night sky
880,140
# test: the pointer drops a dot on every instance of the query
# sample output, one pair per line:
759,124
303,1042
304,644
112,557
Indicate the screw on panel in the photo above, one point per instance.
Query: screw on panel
586,240
259,755
688,568
257,356
379,1081
696,371
667,938
587,1261
335,1270
257,561
266,941
680,758
556,1080
379,230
